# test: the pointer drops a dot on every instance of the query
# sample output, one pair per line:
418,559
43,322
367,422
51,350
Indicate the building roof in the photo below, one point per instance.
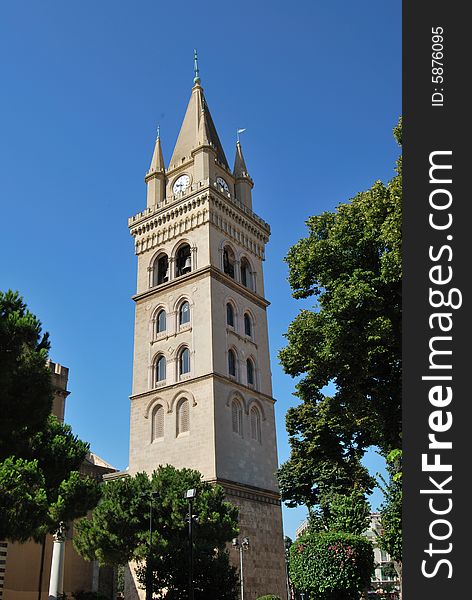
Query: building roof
197,129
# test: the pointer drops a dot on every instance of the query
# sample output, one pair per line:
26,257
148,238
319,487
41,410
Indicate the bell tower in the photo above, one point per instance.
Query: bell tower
202,391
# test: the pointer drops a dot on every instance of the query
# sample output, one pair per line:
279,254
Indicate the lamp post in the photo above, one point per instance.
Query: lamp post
190,495
152,496
243,545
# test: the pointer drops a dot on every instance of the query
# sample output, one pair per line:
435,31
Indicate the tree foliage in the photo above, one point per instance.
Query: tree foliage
118,532
350,263
331,566
348,513
391,509
40,458
25,380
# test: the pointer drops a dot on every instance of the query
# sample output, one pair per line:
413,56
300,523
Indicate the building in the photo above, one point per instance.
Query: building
202,392
383,577
25,568
302,528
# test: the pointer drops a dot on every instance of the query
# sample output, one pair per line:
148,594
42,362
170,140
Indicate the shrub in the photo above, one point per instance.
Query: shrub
82,595
269,597
331,566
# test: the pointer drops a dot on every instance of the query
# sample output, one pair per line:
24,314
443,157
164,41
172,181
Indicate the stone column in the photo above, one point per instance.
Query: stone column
56,580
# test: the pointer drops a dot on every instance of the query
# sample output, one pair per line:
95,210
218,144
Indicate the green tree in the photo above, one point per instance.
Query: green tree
350,262
349,513
44,487
118,532
40,458
25,380
391,511
331,566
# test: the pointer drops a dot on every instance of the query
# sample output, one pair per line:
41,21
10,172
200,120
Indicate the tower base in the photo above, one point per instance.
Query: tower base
260,520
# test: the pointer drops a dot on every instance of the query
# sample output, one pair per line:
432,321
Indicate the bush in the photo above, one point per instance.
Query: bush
269,597
331,566
82,595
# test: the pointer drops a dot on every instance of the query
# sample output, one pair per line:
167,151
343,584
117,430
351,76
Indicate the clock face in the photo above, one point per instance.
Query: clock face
220,181
181,184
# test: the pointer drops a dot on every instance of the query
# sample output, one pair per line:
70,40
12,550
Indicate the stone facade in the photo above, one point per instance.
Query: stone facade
202,391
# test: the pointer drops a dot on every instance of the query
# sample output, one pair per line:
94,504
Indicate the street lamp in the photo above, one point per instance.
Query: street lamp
190,496
243,545
152,496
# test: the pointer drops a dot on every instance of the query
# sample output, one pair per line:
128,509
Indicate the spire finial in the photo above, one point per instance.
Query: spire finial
238,131
158,132
196,79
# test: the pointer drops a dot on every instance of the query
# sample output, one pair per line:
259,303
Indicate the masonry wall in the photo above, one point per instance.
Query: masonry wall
264,562
22,572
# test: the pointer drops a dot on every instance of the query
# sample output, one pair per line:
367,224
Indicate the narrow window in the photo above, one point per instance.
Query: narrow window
183,416
183,260
247,325
237,417
246,276
184,362
161,321
232,363
161,369
250,371
255,419
228,261
230,314
158,422
161,270
184,313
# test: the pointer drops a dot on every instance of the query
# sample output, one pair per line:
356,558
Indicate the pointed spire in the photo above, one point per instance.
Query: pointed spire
243,183
240,169
203,131
197,129
157,162
156,176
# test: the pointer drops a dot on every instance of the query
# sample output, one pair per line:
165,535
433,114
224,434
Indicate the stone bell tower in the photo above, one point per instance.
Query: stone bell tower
202,392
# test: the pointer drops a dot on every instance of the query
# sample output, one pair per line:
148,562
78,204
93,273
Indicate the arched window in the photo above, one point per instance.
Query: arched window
184,361
183,260
161,321
247,325
228,261
157,422
246,275
250,372
161,270
161,369
255,418
237,417
183,416
230,314
232,363
184,313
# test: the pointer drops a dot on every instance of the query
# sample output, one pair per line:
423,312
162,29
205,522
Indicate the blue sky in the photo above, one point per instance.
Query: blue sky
316,84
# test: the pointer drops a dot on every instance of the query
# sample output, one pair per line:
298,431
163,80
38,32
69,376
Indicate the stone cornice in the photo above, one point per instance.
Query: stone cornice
231,488
239,288
209,270
238,213
248,492
212,375
188,211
